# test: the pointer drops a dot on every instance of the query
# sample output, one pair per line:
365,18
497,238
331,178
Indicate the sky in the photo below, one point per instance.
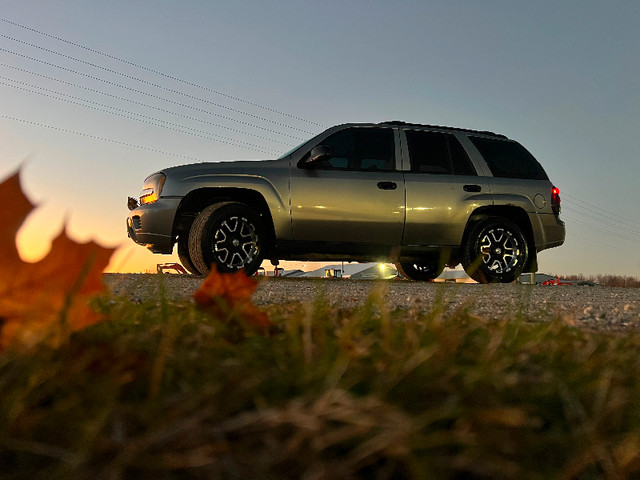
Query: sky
95,96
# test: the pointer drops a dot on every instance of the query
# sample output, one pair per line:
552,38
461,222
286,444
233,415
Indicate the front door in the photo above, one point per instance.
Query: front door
353,195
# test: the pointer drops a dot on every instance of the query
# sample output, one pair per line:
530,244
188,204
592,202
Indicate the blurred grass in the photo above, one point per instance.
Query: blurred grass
162,390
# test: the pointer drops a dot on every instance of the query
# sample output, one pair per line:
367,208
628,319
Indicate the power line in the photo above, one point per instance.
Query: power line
74,85
620,227
624,220
605,232
596,215
605,220
171,77
157,97
96,137
603,244
148,121
146,82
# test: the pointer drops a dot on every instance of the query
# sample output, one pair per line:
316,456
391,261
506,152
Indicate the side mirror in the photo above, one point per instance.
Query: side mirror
319,153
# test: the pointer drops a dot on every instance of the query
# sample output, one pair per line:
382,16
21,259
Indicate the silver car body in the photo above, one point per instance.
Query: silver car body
314,214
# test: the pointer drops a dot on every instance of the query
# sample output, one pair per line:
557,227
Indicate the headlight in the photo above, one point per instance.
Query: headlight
152,188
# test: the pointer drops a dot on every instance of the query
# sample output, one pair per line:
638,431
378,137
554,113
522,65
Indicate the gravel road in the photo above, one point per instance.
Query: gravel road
602,308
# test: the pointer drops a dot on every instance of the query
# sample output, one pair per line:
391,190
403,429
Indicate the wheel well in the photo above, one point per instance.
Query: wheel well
197,200
516,215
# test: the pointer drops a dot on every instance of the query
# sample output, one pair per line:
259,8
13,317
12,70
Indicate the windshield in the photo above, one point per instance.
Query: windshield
284,155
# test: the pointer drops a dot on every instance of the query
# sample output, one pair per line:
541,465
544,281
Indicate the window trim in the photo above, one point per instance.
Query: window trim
506,140
406,156
322,137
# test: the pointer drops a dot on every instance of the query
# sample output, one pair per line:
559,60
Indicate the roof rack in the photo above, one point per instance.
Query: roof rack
440,127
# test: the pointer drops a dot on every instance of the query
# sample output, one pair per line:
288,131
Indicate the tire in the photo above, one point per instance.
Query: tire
495,251
184,256
419,271
229,235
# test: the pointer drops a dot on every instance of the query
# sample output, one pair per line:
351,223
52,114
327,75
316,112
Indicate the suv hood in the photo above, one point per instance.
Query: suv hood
207,168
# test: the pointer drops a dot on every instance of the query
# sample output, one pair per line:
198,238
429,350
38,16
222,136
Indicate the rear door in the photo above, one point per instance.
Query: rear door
442,186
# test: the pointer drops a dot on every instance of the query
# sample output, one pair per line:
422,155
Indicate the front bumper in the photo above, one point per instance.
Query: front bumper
151,225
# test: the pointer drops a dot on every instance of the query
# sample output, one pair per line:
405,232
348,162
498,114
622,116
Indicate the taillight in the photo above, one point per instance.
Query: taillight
555,200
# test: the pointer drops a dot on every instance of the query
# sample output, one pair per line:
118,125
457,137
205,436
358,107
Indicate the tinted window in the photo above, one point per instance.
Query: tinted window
437,153
509,159
368,149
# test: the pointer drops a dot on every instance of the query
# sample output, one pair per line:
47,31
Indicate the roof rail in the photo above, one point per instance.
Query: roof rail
440,127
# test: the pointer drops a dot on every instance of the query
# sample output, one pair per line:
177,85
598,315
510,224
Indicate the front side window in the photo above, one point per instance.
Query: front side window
437,153
509,159
365,149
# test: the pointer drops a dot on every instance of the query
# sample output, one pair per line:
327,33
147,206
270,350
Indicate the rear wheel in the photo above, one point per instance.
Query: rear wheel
419,271
496,250
228,235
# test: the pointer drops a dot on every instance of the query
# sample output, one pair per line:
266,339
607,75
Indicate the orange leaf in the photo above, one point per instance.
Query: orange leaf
221,293
12,215
46,300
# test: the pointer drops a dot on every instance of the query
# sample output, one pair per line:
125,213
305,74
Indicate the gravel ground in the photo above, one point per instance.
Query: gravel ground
602,308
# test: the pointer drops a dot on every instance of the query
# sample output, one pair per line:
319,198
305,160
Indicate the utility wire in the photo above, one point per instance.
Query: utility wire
603,244
621,227
74,85
605,232
597,209
96,137
605,220
171,77
142,118
146,82
157,97
598,216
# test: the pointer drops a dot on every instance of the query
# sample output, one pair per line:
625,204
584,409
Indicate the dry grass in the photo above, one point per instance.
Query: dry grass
165,391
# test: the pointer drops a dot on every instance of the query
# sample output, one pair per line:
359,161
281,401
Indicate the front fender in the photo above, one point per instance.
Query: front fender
274,193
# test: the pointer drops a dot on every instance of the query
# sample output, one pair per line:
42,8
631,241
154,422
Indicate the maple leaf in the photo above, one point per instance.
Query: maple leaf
223,293
46,300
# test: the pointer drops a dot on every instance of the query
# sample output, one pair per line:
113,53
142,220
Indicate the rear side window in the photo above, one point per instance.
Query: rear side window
509,159
437,153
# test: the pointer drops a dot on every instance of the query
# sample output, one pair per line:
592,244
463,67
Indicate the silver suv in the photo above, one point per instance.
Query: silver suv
423,197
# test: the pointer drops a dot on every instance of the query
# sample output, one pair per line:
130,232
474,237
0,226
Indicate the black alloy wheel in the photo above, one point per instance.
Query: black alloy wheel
496,251
419,271
184,256
228,235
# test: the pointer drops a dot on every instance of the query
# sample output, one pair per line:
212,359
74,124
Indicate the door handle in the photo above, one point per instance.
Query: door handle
387,185
472,188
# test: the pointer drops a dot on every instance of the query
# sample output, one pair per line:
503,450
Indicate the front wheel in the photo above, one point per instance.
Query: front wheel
185,256
496,250
419,271
228,235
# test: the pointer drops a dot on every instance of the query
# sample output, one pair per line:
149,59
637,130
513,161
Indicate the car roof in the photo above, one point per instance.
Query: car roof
399,123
